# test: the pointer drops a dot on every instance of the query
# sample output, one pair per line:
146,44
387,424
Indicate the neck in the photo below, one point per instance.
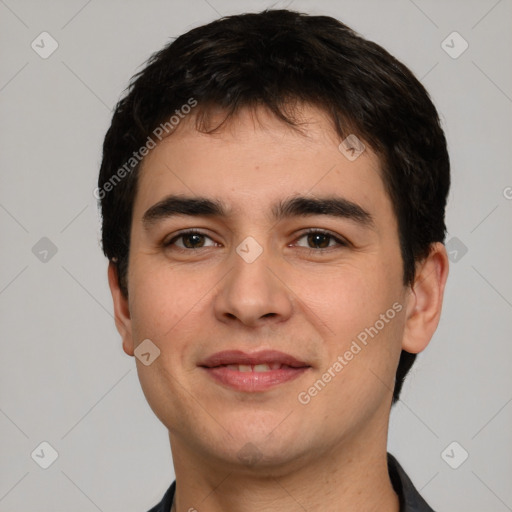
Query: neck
351,476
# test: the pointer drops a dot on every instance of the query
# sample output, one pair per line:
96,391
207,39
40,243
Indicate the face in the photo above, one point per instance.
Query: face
265,267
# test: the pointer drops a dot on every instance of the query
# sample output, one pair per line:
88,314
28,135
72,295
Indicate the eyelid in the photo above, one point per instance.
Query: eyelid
191,231
341,241
337,238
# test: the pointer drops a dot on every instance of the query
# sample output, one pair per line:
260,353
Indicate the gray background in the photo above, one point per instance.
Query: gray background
64,378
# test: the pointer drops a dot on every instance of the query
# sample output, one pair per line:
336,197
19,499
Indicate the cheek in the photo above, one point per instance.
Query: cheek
165,299
348,298
167,308
359,312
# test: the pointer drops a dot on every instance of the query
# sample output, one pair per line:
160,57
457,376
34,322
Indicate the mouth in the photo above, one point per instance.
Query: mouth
254,372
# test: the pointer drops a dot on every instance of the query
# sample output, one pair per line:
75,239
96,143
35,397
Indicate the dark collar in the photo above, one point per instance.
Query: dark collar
410,499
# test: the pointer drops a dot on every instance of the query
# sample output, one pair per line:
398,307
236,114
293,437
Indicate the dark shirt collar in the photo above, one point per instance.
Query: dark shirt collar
410,499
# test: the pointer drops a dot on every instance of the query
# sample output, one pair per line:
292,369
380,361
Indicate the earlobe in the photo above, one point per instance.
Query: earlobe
121,309
426,300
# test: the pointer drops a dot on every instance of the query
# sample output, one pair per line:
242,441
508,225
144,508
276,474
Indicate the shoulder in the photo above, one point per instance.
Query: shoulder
165,504
410,498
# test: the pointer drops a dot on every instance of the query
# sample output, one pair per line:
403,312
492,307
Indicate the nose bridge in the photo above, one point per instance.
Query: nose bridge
251,292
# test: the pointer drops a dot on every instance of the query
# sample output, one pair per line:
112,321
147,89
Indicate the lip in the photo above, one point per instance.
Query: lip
260,357
216,366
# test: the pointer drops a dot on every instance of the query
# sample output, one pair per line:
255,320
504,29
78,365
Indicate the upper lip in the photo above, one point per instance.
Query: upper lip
261,357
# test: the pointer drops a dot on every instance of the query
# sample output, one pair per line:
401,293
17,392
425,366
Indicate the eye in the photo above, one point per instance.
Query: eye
318,239
190,240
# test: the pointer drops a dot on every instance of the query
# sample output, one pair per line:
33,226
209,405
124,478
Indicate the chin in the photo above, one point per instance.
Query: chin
257,450
260,460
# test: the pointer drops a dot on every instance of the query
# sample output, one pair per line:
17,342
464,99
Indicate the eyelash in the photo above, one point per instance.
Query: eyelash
340,241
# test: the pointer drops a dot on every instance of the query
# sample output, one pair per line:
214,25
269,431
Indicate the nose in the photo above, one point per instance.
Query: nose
253,293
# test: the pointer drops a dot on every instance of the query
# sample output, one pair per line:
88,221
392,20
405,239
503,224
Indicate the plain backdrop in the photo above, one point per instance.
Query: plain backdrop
64,378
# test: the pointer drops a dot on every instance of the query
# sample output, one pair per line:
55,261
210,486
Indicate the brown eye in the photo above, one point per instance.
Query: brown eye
316,239
190,240
319,240
193,240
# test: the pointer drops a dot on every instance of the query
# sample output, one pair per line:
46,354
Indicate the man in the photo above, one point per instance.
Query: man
273,190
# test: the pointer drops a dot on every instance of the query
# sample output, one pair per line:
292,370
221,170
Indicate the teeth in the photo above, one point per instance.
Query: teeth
261,368
254,368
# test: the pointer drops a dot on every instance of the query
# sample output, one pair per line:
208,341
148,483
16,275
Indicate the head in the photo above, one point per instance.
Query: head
249,112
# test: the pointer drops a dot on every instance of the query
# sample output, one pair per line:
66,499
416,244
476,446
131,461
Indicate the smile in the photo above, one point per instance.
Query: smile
255,367
254,372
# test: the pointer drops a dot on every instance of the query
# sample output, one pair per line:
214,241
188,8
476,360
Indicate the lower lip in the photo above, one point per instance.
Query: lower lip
254,381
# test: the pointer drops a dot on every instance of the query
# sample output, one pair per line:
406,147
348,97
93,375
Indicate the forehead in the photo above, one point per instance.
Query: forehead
255,160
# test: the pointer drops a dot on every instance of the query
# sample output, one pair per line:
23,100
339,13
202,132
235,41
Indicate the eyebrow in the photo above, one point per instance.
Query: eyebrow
299,206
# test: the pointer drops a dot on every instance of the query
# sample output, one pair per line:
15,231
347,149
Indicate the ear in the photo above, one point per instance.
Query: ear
121,310
425,300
